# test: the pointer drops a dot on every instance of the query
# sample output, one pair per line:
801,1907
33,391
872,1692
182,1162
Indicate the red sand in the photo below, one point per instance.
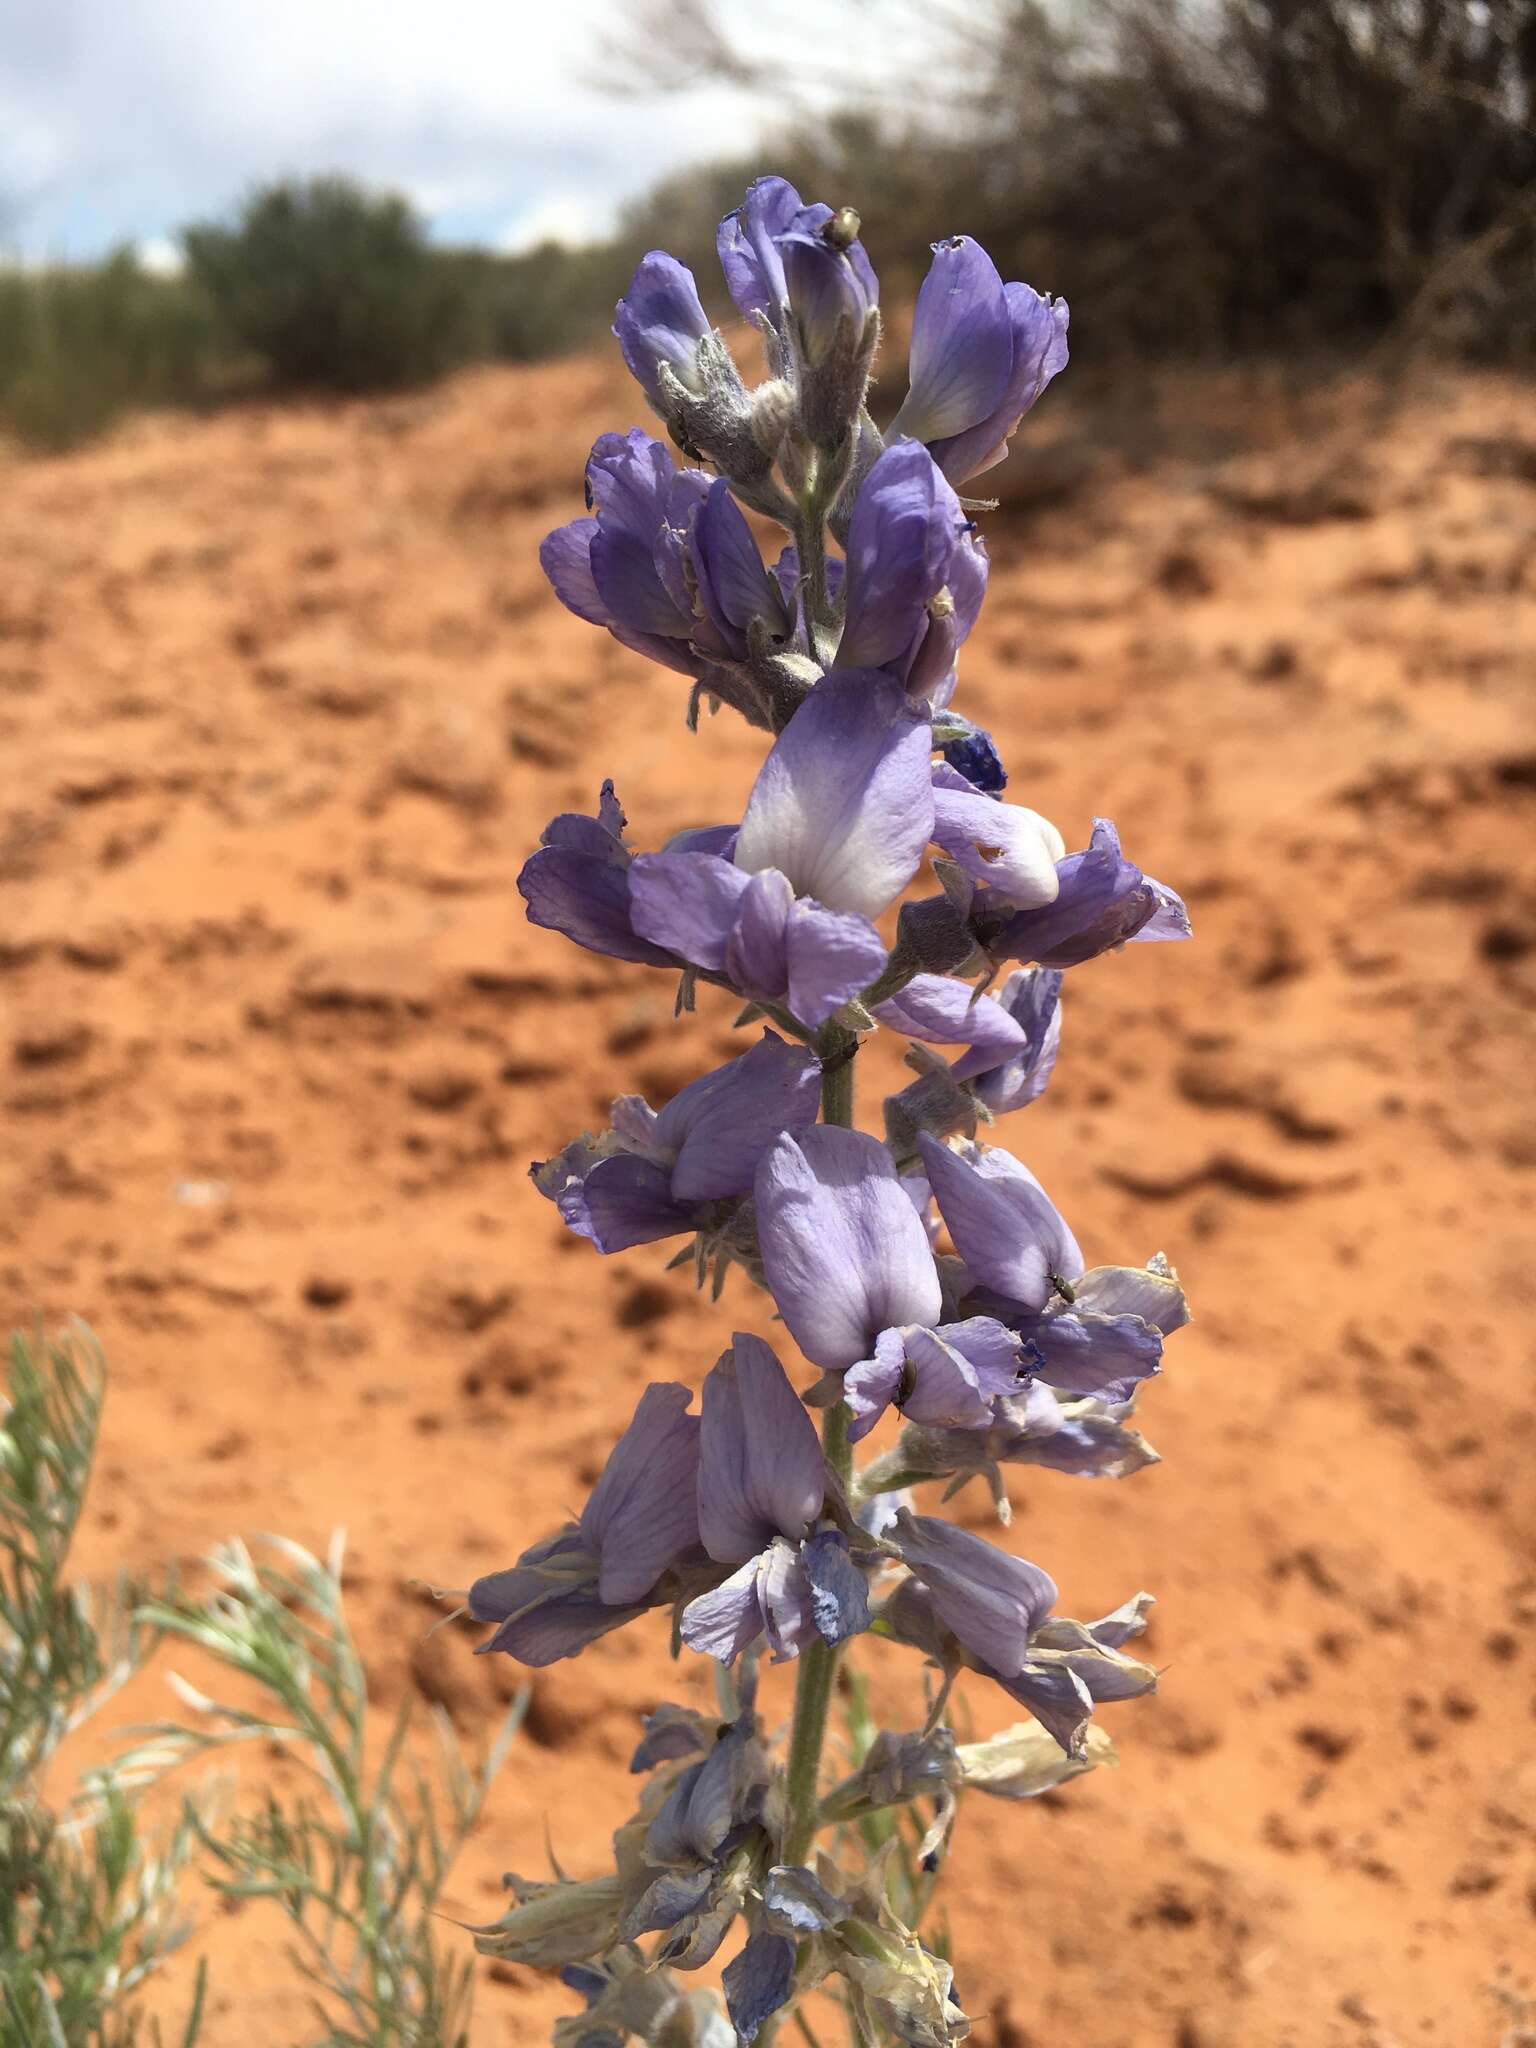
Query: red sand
285,702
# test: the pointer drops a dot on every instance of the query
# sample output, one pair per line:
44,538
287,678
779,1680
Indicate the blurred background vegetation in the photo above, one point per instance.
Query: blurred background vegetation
1211,179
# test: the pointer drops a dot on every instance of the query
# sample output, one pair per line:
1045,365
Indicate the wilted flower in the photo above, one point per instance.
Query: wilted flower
555,1924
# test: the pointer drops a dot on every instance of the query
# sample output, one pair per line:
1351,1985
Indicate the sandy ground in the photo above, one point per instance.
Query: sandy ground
284,703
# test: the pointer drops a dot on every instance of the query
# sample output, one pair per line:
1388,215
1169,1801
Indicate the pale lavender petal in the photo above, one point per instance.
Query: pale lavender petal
641,1515
784,1600
872,1384
1057,1698
720,1126
558,1628
761,1472
734,588
844,803
1103,900
1002,1222
942,1011
844,1252
724,1622
686,902
1013,849
830,957
989,1600
1089,1446
1039,337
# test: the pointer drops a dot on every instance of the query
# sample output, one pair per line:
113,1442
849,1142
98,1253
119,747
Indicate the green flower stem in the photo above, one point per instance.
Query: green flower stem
817,1673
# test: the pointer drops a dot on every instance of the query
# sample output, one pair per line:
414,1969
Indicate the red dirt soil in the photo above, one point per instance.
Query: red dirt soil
285,702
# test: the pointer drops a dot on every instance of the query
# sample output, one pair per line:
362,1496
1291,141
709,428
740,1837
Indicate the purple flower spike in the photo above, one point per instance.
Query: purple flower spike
578,883
1003,1224
843,804
1031,997
1013,849
1102,901
659,320
982,353
844,1251
747,243
990,1602
915,575
761,1472
734,588
831,288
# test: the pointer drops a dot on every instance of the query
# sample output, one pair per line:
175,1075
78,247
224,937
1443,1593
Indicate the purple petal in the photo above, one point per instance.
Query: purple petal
962,344
686,902
734,587
827,286
1103,900
986,1598
1057,1698
586,897
839,1590
641,1514
748,250
906,528
1039,340
1032,997
761,1472
615,1202
565,556
830,957
1013,849
1105,1356
558,1628
844,1252
720,1126
941,1011
659,319
872,1384
758,1983
1002,1222
844,803
755,954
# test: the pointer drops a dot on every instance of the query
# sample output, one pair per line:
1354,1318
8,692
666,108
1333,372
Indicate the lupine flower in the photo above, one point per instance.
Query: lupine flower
972,1604
941,1011
621,568
762,1484
653,1175
1005,1227
578,884
1102,901
660,321
702,1847
735,591
1109,1338
1013,850
916,574
602,1570
982,353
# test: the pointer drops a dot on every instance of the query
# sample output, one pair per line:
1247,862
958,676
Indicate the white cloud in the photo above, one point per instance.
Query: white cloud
161,257
574,218
123,119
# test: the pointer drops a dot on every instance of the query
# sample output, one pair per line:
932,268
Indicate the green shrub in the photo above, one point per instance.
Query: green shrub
81,343
334,288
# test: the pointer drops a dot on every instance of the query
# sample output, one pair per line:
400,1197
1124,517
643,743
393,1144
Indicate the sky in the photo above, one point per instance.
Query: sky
121,120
